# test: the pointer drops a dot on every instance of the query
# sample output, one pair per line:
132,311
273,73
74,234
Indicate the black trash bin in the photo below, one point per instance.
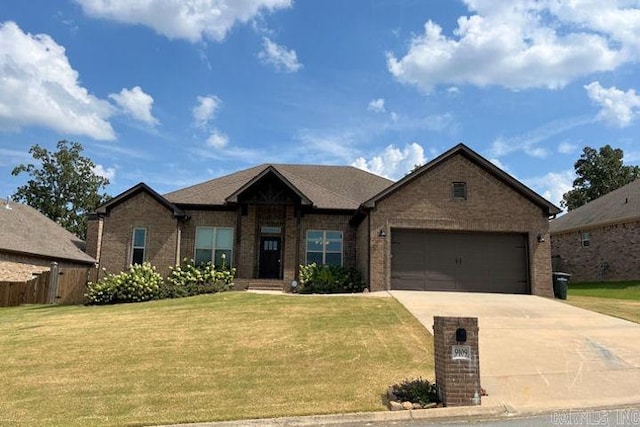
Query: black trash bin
560,284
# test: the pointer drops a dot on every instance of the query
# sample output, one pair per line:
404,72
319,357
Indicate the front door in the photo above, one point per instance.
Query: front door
270,250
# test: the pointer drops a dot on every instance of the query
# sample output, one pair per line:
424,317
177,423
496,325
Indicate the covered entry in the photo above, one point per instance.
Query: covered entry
459,261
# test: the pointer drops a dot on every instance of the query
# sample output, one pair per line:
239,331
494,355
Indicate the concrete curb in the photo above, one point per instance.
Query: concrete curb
363,417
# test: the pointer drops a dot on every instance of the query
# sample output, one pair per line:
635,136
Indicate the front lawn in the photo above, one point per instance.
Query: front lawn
212,357
619,290
618,299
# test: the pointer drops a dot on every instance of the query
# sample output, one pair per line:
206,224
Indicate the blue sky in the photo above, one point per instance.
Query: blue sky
173,93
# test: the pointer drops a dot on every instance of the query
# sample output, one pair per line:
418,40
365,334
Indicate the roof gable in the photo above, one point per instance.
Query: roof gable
233,198
133,191
621,205
24,230
477,159
323,187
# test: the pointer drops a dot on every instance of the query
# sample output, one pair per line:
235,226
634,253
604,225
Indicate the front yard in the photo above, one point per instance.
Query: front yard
619,299
212,357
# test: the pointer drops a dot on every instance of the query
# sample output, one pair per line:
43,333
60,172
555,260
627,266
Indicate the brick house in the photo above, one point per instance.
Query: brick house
601,239
457,223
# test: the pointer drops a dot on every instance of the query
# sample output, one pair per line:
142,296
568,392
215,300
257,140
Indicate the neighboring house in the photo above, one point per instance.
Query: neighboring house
457,223
29,237
601,239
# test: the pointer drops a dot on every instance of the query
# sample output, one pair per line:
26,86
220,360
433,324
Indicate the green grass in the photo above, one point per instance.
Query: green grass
618,299
618,290
206,358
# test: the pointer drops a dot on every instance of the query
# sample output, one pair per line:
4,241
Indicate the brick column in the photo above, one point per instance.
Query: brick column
457,362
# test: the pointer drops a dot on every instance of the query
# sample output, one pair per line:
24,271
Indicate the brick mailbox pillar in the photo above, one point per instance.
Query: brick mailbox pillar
455,342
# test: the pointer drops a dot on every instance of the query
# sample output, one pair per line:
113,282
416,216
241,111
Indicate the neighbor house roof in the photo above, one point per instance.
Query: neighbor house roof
323,187
476,158
25,231
618,206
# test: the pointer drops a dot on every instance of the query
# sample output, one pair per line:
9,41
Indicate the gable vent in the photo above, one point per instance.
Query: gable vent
459,191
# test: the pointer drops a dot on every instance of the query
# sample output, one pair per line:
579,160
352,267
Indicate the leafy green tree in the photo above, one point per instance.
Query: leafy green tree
63,185
599,172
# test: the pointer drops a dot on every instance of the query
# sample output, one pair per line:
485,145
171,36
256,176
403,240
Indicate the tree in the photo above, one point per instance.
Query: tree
599,172
63,186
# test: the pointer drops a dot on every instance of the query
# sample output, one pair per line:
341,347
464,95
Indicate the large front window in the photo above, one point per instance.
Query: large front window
213,244
324,247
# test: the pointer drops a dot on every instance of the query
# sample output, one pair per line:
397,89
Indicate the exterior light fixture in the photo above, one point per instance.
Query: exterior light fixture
540,238
382,233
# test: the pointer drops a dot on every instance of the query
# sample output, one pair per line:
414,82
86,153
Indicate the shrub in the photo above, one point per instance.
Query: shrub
190,279
329,279
140,283
416,391
103,291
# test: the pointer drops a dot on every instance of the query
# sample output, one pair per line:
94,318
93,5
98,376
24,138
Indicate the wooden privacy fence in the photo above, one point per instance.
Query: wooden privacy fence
59,285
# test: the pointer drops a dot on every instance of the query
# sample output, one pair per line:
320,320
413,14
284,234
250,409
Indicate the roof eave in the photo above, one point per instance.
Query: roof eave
141,187
56,258
595,225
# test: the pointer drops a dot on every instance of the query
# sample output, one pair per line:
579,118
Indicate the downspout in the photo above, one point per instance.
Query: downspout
297,257
369,250
178,240
99,244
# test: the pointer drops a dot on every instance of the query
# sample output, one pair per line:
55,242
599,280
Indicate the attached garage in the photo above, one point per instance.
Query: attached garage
459,261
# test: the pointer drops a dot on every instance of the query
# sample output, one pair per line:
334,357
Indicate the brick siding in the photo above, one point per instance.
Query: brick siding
362,249
41,261
143,211
613,253
491,206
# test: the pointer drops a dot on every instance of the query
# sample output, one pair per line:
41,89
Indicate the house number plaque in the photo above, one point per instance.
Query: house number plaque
461,352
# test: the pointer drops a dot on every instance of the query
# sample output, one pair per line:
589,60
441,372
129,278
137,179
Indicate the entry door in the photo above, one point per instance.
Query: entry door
270,251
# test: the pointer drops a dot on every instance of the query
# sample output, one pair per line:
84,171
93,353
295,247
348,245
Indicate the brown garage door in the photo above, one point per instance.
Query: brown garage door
449,261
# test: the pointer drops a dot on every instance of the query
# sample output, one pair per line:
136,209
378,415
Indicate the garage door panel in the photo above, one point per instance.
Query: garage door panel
473,262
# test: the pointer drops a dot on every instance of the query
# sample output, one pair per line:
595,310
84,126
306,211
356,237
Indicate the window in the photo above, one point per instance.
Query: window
459,191
324,247
586,240
138,244
212,243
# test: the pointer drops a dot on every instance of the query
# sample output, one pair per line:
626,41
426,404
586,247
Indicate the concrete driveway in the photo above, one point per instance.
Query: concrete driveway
539,354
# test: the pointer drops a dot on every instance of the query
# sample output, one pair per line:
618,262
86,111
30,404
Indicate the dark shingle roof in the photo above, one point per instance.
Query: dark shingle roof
326,187
621,205
24,230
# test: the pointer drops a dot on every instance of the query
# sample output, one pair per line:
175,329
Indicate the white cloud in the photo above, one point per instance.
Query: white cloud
499,164
529,142
392,162
135,103
376,105
279,57
206,109
38,87
192,20
617,107
217,139
522,44
567,148
108,173
327,147
552,185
